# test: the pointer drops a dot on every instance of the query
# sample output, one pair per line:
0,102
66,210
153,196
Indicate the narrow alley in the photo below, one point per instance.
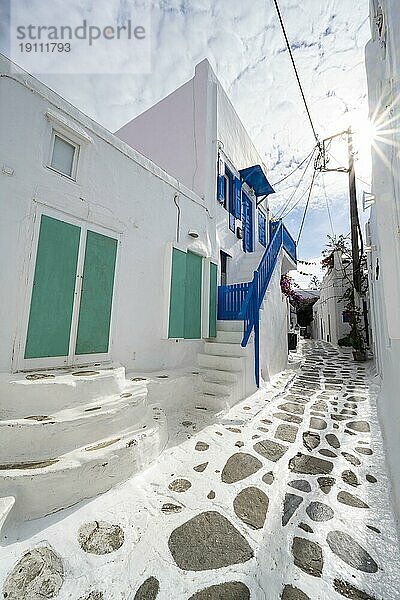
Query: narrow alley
285,496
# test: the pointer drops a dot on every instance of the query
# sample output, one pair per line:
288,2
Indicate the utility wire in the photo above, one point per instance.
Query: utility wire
296,72
327,206
296,169
282,210
296,203
306,208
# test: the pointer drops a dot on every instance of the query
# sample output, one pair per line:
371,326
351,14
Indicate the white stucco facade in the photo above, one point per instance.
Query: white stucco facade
200,119
82,206
117,191
329,322
383,231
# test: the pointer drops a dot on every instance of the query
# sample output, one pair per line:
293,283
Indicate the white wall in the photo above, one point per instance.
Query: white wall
116,188
183,133
383,70
330,306
274,327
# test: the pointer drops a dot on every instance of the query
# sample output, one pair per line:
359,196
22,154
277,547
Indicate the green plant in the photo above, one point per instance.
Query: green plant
345,341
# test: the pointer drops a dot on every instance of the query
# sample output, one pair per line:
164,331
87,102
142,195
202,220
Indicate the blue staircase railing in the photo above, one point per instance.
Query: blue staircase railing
242,301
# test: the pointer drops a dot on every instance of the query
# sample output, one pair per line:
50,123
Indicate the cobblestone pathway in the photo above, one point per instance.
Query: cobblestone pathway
285,497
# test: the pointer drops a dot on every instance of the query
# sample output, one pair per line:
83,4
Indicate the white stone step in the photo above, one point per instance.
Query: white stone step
218,376
21,395
216,388
224,349
91,470
230,326
6,505
221,363
230,337
42,436
214,402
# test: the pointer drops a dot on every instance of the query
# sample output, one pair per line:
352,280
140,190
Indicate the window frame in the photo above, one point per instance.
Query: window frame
77,147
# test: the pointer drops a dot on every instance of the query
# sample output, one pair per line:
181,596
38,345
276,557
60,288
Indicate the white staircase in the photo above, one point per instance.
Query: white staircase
249,262
226,368
71,435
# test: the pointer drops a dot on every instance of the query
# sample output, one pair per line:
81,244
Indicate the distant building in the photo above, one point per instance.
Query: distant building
383,230
331,321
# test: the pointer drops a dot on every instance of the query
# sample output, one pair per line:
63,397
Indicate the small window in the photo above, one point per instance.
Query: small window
346,316
64,156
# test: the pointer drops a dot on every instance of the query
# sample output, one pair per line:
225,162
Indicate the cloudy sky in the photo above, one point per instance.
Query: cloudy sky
244,44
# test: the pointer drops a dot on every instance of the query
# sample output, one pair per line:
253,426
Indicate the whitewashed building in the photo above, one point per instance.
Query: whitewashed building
115,256
383,230
331,320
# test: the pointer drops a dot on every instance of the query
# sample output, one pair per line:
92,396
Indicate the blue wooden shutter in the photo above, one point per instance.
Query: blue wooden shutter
262,228
221,189
237,198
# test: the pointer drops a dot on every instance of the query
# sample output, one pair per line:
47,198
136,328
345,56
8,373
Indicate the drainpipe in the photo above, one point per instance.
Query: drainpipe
178,219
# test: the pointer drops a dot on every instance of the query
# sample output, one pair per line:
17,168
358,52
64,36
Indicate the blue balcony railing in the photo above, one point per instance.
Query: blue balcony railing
242,301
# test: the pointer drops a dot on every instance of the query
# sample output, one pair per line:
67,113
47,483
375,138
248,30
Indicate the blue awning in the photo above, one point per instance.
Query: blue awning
255,178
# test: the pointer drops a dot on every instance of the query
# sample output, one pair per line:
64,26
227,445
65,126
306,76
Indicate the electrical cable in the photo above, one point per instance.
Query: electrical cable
306,207
297,202
282,210
296,169
296,72
327,206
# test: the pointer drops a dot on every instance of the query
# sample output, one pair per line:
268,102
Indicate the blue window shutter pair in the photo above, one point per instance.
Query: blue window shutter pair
221,189
262,238
237,198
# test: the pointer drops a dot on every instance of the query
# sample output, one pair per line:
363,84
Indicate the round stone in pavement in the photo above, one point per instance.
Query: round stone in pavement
180,485
366,451
300,484
346,548
251,506
292,593
311,440
38,574
350,478
100,537
148,590
268,478
310,465
352,459
327,452
308,556
318,511
200,468
93,596
231,590
305,527
208,541
361,426
316,423
349,591
201,446
239,466
332,440
290,504
350,500
270,449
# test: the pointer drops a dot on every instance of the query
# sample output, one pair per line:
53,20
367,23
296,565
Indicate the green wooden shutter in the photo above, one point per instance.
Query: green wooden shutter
177,295
193,287
212,311
53,289
185,296
97,294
